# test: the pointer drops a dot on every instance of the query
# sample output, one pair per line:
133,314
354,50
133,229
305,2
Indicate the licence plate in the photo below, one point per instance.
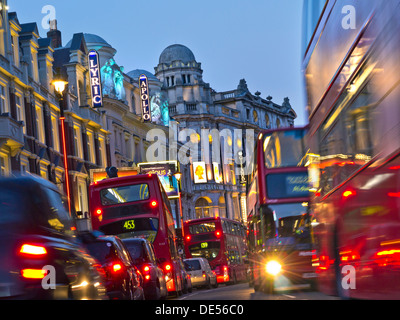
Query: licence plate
309,275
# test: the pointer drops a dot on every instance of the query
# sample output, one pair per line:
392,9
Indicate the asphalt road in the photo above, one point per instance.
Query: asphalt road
244,292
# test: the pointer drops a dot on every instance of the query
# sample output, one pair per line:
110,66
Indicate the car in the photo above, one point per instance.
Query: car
200,273
123,279
142,253
187,280
40,256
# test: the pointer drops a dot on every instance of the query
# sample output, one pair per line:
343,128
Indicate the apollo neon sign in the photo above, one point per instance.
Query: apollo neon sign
95,80
145,98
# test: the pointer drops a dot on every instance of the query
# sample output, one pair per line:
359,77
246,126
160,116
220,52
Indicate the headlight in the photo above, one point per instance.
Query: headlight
273,268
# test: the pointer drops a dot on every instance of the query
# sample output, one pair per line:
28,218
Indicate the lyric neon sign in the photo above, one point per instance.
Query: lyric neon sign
95,80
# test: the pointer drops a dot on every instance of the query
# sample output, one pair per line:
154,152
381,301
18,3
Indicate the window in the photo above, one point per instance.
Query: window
172,81
167,81
201,228
90,147
124,194
3,104
202,208
267,121
34,65
278,123
184,79
82,197
188,78
255,116
58,218
55,133
40,123
78,142
15,48
20,109
102,152
4,166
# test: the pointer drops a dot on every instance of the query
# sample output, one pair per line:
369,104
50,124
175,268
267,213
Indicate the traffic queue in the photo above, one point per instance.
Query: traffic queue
44,256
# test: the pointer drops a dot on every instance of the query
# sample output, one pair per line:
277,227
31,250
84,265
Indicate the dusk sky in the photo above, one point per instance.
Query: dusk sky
258,40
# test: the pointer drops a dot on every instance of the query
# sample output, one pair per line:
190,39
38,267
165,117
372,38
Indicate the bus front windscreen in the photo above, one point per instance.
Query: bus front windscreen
145,228
206,249
287,224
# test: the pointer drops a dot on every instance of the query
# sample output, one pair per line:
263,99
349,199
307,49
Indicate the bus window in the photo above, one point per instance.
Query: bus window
201,228
124,194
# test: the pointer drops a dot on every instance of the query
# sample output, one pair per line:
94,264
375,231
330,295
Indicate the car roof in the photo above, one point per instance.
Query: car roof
28,181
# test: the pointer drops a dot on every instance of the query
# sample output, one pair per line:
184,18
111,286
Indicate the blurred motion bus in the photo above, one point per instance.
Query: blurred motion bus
279,237
222,242
352,75
138,207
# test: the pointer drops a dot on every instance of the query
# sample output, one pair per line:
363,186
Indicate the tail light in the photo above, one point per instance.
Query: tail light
116,267
146,272
33,250
204,274
99,212
168,272
188,238
154,204
33,273
218,234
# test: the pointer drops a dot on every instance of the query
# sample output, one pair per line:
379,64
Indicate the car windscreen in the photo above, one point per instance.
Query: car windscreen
194,265
103,251
124,194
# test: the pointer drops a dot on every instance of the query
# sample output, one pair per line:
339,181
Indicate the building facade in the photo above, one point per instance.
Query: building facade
210,134
219,129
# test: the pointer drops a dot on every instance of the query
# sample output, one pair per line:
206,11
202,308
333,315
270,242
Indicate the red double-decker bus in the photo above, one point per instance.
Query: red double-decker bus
137,206
222,242
279,237
353,87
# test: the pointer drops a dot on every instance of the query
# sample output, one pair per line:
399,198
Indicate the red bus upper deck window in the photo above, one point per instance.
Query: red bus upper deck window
124,194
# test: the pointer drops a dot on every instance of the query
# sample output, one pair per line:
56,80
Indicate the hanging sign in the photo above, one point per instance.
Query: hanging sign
145,98
95,80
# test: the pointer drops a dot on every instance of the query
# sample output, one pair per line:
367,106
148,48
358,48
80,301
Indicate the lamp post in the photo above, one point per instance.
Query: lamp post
59,86
178,177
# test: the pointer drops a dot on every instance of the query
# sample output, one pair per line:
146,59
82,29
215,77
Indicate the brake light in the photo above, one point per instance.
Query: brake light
146,268
348,193
33,273
168,267
188,238
154,204
218,234
99,212
33,250
116,267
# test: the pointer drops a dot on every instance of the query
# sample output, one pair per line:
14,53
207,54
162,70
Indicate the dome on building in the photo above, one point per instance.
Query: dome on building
93,40
135,74
176,52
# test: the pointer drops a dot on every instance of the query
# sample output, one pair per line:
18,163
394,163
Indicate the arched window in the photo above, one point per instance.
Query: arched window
267,121
255,116
278,123
202,208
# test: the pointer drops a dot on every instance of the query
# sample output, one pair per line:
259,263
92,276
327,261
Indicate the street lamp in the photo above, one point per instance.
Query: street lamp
59,85
178,177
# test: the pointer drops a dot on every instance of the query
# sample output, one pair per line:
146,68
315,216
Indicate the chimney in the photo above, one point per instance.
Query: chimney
54,35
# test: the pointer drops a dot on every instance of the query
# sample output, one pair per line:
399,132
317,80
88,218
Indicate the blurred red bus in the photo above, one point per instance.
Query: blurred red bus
353,87
279,238
137,206
222,242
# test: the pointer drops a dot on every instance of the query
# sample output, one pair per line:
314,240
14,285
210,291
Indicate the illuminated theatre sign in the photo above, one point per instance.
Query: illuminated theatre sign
145,98
95,80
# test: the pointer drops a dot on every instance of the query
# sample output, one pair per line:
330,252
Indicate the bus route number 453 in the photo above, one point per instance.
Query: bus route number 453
129,225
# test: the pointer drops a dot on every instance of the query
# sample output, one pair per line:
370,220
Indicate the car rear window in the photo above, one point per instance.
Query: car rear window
195,264
135,248
103,251
12,205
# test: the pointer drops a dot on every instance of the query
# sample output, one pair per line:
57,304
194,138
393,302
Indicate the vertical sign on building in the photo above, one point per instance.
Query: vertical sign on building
95,80
145,98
